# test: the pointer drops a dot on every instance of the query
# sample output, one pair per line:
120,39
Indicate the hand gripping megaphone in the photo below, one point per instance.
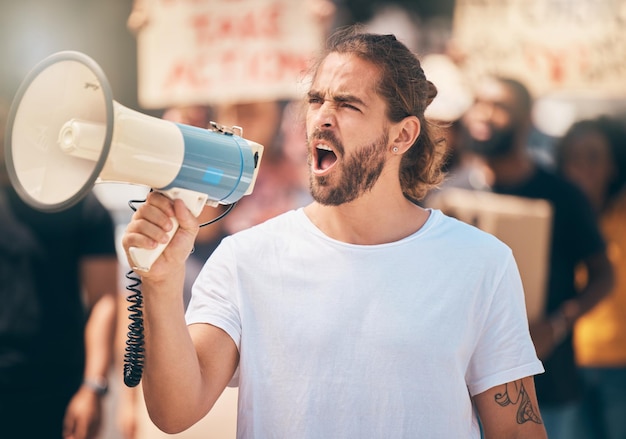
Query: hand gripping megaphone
65,133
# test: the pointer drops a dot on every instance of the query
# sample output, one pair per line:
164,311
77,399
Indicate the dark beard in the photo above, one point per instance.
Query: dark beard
499,145
360,171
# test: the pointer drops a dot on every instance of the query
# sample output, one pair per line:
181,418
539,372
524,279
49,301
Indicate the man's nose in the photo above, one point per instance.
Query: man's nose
485,110
325,116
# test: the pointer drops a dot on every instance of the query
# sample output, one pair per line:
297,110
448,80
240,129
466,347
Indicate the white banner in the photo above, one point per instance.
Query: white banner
551,45
216,51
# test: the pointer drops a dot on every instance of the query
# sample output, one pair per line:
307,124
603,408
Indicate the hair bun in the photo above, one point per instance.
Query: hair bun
431,92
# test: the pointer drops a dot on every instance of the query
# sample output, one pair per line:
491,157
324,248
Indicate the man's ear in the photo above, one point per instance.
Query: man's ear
405,133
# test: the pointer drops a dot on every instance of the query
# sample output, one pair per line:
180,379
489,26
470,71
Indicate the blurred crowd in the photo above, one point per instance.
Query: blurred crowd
492,143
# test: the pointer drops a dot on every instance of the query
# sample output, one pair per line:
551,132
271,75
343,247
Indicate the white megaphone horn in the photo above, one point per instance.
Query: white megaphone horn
65,133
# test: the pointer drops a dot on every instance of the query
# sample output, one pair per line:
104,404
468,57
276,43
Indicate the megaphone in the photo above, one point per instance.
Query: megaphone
65,133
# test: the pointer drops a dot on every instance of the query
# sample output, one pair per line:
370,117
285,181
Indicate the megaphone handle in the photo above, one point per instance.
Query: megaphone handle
142,258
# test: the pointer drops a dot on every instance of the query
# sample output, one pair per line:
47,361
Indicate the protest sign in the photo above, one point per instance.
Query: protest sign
222,51
551,45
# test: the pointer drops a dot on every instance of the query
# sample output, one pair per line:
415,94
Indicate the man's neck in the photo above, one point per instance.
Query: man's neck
368,220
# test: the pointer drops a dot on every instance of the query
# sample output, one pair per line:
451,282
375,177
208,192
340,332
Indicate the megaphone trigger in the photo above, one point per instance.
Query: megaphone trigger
143,258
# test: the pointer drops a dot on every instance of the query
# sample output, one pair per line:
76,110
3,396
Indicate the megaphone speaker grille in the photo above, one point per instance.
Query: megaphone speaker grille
67,86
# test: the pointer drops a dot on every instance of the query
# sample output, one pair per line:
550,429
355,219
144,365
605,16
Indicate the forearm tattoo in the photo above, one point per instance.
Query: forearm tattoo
515,394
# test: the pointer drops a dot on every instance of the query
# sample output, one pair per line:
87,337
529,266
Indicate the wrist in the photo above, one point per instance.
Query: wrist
559,325
98,385
571,311
562,321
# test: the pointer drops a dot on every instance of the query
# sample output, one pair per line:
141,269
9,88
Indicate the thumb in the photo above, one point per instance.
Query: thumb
188,225
186,220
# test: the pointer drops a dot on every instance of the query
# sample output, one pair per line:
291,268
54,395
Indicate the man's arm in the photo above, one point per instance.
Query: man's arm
511,411
549,332
186,368
99,278
600,281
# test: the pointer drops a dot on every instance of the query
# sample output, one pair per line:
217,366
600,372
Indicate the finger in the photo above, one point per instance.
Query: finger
92,429
150,224
157,209
186,220
161,201
143,234
69,427
80,432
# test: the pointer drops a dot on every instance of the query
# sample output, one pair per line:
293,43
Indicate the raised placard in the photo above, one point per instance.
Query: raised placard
223,51
574,45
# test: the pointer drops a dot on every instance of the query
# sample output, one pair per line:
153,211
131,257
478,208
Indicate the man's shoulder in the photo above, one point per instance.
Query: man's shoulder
277,224
460,232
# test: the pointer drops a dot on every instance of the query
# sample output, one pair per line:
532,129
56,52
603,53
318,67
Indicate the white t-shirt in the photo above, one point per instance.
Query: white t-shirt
365,341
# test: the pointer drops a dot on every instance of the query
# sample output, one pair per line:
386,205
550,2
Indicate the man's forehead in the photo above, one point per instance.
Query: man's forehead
491,89
496,92
346,74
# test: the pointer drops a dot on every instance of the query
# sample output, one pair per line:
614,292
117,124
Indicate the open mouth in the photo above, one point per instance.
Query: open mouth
325,157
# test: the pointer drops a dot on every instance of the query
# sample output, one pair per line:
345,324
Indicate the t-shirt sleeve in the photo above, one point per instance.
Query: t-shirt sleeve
504,350
214,298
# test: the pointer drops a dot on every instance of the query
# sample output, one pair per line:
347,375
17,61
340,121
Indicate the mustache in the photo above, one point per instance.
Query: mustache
328,137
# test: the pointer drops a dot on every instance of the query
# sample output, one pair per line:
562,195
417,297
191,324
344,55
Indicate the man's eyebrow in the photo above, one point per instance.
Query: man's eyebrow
314,94
348,98
340,98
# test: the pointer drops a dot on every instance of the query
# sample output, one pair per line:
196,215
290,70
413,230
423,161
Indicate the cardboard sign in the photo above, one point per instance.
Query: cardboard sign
223,51
577,45
524,224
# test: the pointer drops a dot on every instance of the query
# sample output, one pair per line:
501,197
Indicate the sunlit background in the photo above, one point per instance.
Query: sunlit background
32,29
571,53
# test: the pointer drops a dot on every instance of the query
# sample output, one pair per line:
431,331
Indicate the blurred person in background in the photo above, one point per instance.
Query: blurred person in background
464,169
499,123
592,154
58,290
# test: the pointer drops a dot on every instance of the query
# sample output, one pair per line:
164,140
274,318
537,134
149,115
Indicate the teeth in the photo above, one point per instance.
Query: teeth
324,147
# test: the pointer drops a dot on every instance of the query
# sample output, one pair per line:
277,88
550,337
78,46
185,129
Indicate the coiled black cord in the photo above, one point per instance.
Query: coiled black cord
134,351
